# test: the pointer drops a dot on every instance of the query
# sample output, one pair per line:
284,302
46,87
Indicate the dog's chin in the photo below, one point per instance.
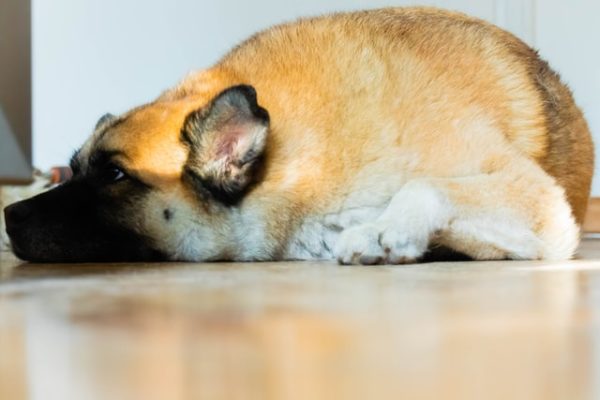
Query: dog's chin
17,251
46,251
41,257
38,251
53,243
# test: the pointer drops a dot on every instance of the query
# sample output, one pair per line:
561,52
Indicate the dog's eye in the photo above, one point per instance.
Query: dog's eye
114,174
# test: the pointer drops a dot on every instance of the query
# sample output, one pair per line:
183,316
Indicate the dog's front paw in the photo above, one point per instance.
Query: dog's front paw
403,246
370,244
360,245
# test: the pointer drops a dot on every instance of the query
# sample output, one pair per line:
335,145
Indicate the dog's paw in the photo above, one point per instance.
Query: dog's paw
360,245
371,244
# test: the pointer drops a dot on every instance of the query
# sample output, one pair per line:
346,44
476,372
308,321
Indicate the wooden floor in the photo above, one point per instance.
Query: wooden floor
494,330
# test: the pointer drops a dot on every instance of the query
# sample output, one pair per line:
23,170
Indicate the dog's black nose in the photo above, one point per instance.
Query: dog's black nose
17,213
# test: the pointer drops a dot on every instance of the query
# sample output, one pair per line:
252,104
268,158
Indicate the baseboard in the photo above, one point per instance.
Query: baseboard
592,218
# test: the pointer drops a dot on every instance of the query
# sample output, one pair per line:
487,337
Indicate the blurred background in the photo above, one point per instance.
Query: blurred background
96,56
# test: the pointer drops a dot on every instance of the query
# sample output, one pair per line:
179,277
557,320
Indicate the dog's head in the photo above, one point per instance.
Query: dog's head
148,184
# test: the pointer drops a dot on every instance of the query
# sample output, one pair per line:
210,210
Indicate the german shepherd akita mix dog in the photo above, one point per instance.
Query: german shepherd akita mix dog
367,137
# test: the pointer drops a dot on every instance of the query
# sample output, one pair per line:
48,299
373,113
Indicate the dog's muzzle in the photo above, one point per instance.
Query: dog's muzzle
71,223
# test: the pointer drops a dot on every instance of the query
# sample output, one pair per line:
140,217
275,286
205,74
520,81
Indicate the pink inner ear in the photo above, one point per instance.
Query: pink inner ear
227,141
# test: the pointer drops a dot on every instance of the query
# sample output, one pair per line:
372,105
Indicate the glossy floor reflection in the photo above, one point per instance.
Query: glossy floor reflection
495,330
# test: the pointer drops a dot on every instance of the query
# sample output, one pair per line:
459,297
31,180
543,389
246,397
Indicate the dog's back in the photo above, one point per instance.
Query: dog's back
347,88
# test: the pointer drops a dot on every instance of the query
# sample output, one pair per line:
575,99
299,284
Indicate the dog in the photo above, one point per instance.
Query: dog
370,137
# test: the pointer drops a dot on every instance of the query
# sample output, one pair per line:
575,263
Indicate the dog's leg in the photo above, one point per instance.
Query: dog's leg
515,213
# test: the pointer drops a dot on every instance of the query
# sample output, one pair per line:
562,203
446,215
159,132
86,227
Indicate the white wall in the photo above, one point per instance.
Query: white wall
96,56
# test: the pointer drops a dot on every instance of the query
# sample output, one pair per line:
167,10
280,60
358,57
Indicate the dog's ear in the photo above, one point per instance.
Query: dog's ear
105,120
226,139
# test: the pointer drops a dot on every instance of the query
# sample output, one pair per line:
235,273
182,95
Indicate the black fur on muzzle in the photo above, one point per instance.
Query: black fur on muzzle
72,223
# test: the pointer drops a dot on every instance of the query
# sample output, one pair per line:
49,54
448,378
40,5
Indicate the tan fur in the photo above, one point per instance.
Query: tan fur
364,103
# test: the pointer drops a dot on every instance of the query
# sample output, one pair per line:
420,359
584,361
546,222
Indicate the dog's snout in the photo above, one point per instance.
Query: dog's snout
17,213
